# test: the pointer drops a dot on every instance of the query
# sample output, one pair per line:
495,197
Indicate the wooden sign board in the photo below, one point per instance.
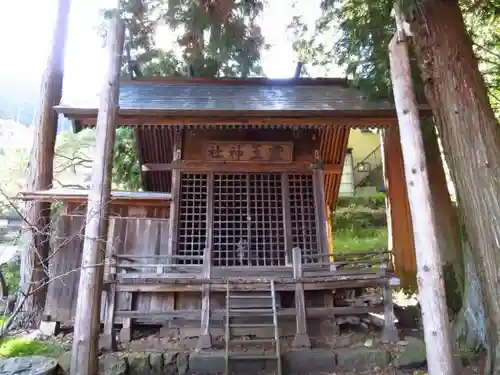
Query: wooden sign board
248,152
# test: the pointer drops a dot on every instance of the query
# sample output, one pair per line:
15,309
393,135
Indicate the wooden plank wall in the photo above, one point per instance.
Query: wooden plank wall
130,232
141,237
64,263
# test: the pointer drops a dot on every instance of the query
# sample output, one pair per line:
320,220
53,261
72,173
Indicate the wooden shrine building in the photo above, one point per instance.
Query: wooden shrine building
239,180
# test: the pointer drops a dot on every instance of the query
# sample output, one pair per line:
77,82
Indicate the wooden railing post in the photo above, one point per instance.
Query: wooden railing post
205,340
301,339
108,339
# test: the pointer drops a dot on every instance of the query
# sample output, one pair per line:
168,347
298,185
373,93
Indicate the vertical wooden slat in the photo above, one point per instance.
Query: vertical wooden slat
210,210
108,338
287,224
249,220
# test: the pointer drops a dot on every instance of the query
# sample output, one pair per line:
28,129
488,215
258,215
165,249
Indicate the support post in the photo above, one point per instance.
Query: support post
321,216
389,331
301,339
401,241
175,192
40,173
429,267
205,340
87,318
108,338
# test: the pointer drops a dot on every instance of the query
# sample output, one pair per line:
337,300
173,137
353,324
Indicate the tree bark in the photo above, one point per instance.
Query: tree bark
470,134
88,306
445,219
463,290
40,172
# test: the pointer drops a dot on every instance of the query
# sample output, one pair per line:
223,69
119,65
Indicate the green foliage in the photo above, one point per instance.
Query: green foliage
374,202
356,33
349,219
219,38
21,347
360,224
12,276
365,239
126,173
74,157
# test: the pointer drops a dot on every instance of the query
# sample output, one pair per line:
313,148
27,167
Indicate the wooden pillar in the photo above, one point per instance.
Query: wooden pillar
205,339
84,354
329,218
429,266
321,215
41,173
175,192
395,199
301,339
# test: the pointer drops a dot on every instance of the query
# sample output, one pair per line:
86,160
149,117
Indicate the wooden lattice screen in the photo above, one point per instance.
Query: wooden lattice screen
192,229
248,217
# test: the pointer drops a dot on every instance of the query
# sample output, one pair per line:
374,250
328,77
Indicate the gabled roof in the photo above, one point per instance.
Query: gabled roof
199,97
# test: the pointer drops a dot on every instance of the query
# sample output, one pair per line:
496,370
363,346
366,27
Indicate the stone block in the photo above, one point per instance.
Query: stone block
31,365
308,361
112,364
362,359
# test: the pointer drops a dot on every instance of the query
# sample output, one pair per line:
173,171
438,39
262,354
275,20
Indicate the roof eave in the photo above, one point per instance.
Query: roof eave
72,112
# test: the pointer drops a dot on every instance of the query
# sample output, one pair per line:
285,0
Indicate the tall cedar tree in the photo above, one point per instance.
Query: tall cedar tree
366,28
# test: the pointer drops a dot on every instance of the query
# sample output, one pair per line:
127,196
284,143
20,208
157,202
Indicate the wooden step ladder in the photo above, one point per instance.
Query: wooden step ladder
251,306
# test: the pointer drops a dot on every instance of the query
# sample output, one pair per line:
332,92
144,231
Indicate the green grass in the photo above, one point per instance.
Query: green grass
21,347
11,273
360,239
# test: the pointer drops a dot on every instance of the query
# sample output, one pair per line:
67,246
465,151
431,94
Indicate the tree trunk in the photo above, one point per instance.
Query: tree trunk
463,291
470,134
88,305
40,174
446,220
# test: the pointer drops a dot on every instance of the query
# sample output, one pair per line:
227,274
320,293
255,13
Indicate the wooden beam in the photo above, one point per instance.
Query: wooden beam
429,265
201,166
162,120
40,173
218,314
84,358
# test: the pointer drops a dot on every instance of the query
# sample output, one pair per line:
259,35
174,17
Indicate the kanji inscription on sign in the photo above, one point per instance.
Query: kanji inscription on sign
249,152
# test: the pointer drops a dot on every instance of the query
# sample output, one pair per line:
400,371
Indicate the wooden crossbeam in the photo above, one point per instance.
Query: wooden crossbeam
239,167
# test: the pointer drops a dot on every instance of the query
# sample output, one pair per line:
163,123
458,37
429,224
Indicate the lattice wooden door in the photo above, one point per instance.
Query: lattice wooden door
248,217
248,220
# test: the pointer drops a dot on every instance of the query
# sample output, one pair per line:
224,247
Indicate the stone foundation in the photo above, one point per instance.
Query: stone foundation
212,363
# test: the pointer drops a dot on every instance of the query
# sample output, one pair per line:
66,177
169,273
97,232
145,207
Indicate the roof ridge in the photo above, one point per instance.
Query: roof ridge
321,81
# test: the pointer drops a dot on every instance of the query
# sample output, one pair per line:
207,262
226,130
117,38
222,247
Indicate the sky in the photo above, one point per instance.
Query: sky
31,31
